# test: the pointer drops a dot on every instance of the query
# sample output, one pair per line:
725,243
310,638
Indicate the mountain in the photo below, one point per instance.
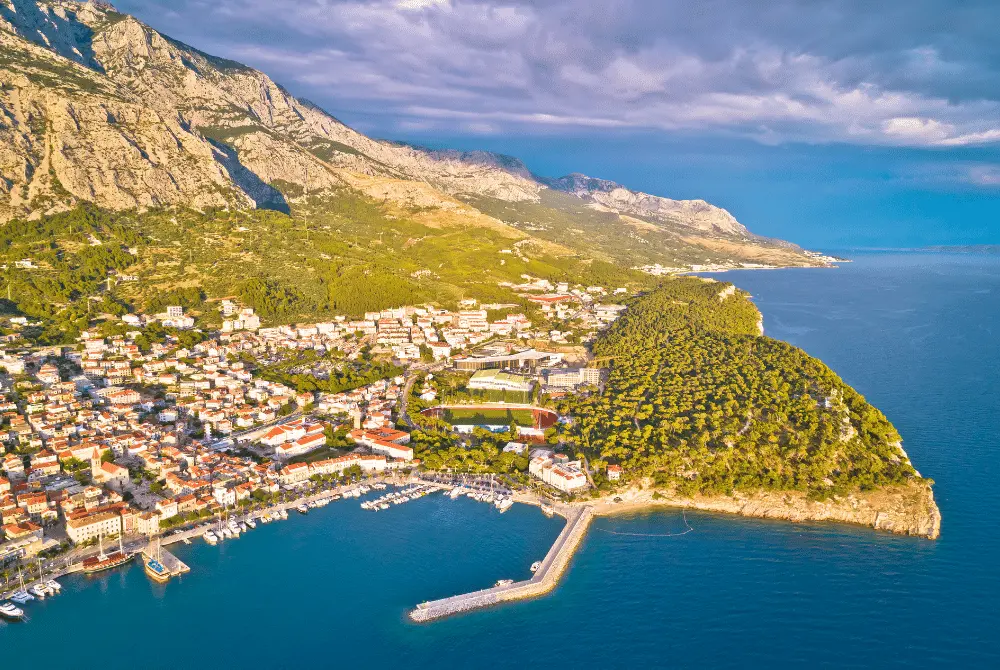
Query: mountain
696,214
97,107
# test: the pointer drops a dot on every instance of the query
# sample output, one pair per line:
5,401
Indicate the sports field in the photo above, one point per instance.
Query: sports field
487,417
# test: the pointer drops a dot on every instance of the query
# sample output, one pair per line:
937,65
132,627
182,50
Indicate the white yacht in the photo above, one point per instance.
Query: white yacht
251,523
504,504
210,537
54,585
10,611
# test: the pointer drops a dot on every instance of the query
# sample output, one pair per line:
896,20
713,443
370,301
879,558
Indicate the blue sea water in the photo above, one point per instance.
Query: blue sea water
917,333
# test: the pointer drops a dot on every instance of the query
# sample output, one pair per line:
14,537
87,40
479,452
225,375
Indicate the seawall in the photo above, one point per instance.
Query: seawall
544,580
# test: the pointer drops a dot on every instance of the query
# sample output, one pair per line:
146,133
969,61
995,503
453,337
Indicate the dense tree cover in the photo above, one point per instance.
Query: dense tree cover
345,377
339,253
697,400
52,266
439,449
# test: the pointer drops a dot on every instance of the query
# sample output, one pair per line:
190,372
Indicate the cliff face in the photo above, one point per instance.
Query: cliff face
906,510
97,106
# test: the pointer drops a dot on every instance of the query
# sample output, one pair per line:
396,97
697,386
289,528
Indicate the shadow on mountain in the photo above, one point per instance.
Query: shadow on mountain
263,194
67,36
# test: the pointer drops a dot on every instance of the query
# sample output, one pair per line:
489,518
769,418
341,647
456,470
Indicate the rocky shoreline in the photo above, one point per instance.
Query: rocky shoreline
904,510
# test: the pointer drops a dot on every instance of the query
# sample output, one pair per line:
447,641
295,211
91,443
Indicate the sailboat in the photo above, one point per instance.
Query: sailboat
154,567
103,561
21,596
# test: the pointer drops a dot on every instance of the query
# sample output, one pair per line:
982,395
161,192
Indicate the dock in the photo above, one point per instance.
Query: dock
544,580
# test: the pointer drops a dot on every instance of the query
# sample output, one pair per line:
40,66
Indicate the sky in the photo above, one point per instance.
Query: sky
832,124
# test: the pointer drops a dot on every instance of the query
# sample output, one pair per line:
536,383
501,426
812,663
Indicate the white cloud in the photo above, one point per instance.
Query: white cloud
920,130
984,175
787,74
421,4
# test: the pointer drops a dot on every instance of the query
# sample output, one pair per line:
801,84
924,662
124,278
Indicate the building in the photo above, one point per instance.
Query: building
557,471
386,441
529,358
102,524
148,523
571,377
614,473
295,473
497,380
303,445
113,475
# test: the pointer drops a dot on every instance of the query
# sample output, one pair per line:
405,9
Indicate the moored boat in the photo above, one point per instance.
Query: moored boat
98,564
11,612
21,597
103,561
157,571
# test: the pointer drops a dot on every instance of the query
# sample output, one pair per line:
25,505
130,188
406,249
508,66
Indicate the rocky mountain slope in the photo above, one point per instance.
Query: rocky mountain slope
95,106
696,214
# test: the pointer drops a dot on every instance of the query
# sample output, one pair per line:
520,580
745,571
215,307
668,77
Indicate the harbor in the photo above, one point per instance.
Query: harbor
161,565
544,579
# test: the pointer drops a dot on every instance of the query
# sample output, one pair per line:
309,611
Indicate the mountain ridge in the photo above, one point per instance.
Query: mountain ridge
100,107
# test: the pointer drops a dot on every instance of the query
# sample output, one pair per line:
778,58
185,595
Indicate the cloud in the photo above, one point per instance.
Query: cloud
984,175
923,74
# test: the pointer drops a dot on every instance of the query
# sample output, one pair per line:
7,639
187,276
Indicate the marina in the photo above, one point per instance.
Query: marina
161,565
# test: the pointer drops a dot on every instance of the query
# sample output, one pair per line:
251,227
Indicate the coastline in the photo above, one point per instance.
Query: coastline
902,510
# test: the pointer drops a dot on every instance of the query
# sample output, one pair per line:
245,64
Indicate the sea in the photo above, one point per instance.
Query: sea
917,333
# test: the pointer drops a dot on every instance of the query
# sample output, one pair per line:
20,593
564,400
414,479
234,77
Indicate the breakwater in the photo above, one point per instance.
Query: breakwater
543,581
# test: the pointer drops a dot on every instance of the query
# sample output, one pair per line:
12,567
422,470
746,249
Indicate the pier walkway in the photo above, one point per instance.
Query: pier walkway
543,581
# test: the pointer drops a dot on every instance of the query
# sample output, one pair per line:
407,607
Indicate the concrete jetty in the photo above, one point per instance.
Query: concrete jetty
174,565
543,581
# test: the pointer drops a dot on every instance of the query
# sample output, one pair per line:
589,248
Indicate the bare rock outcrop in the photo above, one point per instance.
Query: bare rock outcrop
906,510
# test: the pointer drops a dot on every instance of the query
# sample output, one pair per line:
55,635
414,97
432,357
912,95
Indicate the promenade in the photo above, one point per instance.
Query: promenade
543,581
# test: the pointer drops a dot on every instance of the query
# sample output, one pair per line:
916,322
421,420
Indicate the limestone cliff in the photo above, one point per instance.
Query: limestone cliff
906,510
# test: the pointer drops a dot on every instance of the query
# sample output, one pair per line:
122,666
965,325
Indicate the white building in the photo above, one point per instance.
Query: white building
498,380
558,471
104,524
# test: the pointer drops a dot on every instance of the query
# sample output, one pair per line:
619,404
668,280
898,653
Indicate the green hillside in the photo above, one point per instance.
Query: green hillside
701,403
342,254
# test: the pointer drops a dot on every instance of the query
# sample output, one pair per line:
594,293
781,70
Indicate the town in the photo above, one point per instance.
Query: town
123,439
